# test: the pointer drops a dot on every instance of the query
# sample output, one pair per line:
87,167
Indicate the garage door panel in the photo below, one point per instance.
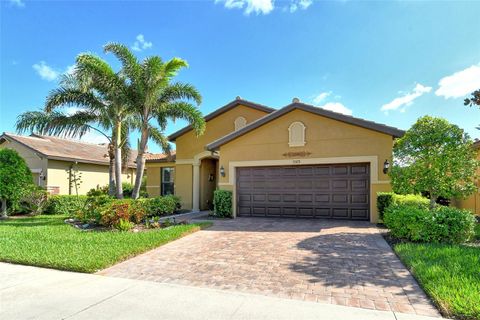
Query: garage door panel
338,191
340,213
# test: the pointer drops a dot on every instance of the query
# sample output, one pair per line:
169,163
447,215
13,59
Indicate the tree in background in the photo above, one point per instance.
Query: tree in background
474,100
15,178
434,156
156,99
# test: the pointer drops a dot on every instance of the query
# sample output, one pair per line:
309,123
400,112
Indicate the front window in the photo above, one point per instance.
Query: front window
167,181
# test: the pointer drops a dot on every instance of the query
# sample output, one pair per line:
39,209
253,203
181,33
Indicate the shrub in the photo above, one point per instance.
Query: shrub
408,222
92,211
161,206
15,178
127,189
130,210
222,203
65,204
453,225
440,225
386,199
34,201
124,225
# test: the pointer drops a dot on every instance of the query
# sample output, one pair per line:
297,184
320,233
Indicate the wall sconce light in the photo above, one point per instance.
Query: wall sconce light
42,176
386,166
222,171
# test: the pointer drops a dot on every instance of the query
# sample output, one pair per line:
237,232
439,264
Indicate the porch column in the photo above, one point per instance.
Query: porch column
196,187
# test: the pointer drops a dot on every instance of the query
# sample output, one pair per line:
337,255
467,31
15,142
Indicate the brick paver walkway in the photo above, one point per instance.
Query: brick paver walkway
339,262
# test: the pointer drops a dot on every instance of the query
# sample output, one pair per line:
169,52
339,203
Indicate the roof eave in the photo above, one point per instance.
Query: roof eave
394,132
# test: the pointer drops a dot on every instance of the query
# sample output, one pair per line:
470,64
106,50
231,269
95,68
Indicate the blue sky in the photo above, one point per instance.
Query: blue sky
389,62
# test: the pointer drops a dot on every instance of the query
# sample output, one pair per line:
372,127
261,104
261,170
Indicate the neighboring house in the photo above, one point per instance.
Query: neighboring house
299,161
54,161
472,202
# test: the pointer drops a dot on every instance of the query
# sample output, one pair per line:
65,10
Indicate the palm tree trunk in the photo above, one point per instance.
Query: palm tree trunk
111,170
140,163
118,161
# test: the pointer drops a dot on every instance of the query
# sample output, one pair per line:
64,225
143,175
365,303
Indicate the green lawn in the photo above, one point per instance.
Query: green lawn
450,274
47,241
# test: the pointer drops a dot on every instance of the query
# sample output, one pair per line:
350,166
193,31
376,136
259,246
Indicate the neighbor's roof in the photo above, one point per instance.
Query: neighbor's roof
225,108
308,108
65,149
160,157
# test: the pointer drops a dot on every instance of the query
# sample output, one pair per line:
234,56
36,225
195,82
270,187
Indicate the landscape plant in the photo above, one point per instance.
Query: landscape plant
222,203
434,156
15,178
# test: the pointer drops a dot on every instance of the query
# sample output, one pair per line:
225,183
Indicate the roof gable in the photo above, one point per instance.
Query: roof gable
394,132
238,101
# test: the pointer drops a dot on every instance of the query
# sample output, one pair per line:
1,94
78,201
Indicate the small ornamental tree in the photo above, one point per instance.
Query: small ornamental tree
15,178
434,156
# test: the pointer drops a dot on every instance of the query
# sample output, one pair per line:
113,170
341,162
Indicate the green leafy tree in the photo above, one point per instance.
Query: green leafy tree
435,156
15,178
155,99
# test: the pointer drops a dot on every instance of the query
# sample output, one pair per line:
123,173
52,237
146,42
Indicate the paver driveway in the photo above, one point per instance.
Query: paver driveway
340,262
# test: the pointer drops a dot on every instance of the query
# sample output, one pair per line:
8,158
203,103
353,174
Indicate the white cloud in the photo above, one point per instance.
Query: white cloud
460,83
302,4
337,107
140,44
18,3
70,69
49,73
45,71
321,97
249,6
407,99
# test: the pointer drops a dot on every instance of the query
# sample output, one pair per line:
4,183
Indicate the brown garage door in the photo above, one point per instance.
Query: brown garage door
337,191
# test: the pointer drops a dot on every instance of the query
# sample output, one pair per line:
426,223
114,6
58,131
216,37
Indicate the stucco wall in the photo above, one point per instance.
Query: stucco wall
154,178
188,145
93,175
35,162
325,138
183,184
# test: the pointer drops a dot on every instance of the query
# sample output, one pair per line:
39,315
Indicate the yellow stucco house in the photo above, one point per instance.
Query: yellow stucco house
299,161
53,159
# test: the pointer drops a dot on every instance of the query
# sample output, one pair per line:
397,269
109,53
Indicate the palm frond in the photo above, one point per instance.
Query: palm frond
159,138
173,66
130,64
178,90
186,111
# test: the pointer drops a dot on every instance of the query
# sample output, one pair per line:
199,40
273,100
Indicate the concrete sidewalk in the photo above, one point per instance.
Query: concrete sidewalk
36,293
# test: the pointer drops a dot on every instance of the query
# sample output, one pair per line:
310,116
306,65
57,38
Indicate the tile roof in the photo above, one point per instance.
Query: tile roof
66,149
161,157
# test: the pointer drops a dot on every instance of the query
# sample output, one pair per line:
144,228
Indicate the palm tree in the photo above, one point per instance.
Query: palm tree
102,97
155,98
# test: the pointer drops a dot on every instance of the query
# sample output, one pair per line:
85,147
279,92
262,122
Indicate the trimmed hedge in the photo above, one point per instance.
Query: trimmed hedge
65,204
222,203
386,199
440,225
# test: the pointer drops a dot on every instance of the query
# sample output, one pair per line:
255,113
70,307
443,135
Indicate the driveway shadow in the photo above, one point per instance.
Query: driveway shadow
351,259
